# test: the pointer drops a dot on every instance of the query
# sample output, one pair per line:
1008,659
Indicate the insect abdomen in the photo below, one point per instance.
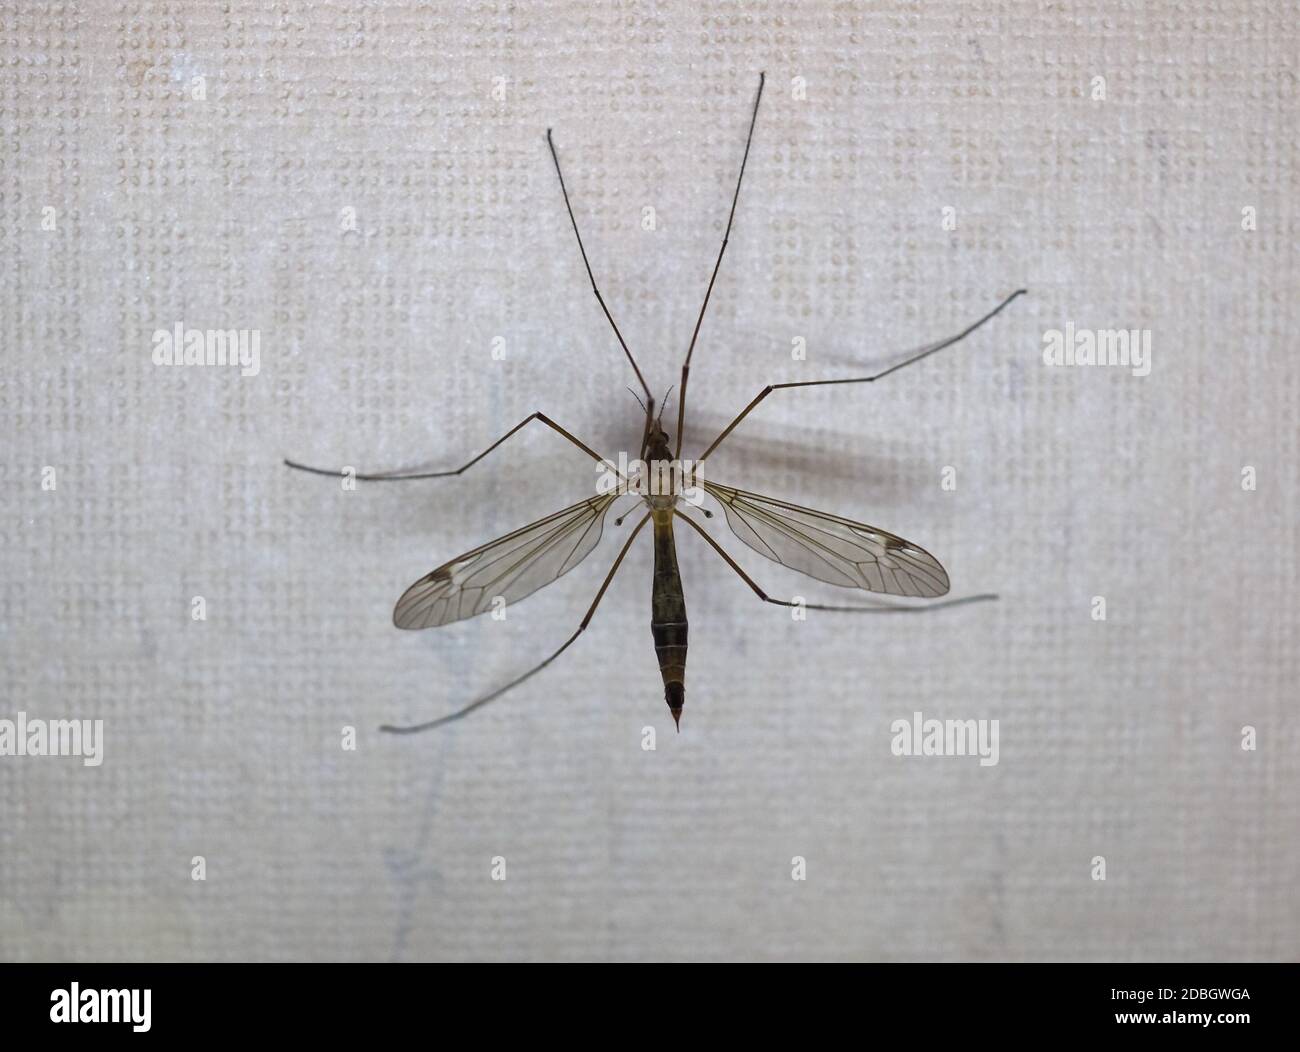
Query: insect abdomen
668,615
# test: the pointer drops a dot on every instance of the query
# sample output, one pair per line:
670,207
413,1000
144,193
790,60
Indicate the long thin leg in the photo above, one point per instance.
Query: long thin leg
878,607
591,610
585,262
398,476
686,367
924,352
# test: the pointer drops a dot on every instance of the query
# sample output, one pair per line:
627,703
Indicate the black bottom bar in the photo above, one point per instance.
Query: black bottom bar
341,1001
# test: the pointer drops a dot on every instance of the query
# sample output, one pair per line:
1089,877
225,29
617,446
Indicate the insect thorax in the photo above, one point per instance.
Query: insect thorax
664,478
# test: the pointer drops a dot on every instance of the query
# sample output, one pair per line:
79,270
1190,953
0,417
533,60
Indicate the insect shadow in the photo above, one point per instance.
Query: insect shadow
824,546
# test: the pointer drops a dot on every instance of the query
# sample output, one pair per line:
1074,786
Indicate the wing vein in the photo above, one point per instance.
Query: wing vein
829,547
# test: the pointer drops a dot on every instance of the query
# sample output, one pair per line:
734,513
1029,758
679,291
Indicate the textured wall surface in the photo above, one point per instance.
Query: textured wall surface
367,185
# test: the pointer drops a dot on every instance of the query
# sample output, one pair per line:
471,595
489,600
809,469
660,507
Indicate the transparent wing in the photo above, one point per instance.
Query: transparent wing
512,567
829,548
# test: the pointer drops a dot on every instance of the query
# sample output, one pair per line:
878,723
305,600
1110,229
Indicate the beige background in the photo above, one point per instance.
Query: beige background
1119,739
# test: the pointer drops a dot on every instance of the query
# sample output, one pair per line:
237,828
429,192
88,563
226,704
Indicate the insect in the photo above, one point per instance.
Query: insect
827,547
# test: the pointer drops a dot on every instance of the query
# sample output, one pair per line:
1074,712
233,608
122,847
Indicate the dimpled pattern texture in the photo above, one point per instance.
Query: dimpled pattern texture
367,185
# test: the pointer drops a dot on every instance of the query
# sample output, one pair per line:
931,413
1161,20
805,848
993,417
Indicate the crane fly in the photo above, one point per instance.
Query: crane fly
826,547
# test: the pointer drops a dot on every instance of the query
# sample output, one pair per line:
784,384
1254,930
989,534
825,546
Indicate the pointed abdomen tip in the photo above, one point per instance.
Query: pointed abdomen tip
675,695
